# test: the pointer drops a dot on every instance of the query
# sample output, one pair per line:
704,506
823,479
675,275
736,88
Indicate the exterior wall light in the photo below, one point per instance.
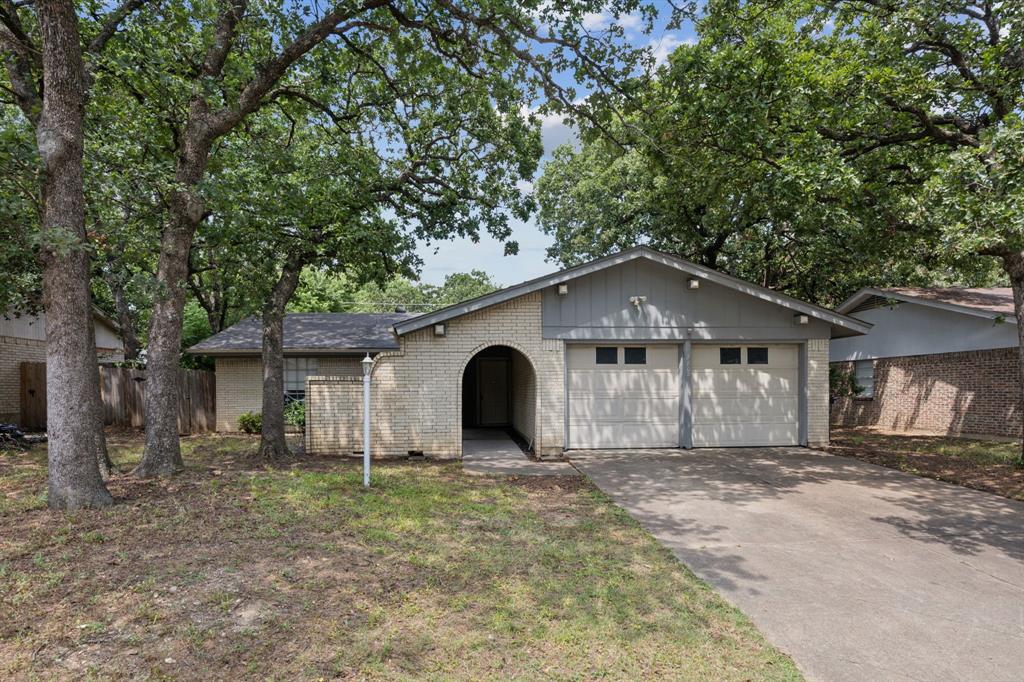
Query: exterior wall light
439,329
563,289
693,283
800,318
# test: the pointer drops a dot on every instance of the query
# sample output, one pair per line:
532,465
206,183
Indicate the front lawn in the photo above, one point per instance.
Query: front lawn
980,464
230,570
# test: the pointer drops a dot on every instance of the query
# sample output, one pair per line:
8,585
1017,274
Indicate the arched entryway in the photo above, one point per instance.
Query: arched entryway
499,395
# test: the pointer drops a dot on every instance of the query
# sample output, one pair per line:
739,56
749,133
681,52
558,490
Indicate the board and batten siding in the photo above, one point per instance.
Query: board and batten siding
597,307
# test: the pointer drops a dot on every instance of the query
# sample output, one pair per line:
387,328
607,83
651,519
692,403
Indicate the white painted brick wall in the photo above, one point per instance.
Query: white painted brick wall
417,391
240,385
817,385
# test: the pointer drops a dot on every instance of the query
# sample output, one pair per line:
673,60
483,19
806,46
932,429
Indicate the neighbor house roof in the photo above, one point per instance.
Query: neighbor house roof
988,302
842,325
310,333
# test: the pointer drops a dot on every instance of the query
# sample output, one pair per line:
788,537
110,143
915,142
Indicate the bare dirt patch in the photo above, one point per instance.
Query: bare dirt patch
979,464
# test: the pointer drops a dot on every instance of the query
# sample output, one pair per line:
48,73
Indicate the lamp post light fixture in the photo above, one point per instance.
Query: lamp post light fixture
367,363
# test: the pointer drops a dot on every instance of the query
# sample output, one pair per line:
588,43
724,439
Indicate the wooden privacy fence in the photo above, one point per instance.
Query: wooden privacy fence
124,398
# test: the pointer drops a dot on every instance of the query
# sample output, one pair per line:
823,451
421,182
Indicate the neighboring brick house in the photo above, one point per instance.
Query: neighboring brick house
940,361
638,349
23,339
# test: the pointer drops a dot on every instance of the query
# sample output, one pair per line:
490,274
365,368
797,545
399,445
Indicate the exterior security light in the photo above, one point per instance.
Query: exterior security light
439,330
800,318
693,283
563,289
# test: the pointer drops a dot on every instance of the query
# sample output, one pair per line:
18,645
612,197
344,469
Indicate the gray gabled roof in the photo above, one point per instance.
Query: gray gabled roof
310,333
988,302
842,325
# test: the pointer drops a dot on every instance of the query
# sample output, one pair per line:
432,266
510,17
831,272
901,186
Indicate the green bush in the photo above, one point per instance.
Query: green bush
250,422
295,414
842,383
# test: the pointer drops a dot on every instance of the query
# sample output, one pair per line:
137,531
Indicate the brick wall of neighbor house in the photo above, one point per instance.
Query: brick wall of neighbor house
524,403
240,385
417,391
975,392
13,352
817,385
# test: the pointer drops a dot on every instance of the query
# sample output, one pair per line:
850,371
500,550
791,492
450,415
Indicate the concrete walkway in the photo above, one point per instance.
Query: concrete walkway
856,571
492,451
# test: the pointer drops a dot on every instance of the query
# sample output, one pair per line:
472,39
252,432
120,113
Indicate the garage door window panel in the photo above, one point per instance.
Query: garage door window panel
757,355
730,356
635,356
606,355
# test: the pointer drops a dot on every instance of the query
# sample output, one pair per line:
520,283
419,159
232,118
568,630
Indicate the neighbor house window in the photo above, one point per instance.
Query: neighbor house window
607,355
729,356
864,373
635,356
295,372
757,356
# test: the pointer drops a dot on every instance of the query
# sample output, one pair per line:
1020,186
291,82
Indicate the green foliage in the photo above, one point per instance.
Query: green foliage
295,414
842,383
250,422
323,291
813,148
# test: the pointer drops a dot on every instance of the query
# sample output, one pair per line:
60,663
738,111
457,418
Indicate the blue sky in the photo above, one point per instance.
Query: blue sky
460,255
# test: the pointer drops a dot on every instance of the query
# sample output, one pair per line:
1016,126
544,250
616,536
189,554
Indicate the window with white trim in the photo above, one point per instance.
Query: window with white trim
295,372
864,375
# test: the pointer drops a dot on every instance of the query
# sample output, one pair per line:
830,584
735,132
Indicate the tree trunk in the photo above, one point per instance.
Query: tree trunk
126,317
74,423
162,455
1014,264
272,441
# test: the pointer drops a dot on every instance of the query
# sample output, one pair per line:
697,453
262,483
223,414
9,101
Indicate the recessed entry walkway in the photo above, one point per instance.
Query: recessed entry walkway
492,451
858,572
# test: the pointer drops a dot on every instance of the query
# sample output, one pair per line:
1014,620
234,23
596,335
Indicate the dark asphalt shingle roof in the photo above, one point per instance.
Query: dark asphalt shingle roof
321,332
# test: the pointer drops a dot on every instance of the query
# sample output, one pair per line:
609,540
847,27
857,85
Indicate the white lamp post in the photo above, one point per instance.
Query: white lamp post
367,368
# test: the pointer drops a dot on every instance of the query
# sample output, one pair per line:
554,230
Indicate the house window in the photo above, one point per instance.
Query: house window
635,356
864,374
729,356
607,355
757,356
295,372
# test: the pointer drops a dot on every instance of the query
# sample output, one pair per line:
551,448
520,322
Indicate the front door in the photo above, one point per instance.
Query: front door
493,385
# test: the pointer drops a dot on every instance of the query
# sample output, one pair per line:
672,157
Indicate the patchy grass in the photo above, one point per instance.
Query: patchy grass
980,464
233,571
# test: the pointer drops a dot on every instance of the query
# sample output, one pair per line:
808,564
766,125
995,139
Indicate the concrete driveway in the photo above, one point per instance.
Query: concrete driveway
858,572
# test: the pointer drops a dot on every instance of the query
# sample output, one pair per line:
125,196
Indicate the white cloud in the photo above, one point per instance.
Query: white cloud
524,186
600,21
666,45
554,132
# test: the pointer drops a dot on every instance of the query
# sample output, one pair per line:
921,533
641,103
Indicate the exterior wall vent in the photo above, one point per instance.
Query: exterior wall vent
872,302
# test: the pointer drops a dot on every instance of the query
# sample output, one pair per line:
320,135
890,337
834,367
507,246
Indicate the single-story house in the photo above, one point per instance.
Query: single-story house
638,349
23,339
937,360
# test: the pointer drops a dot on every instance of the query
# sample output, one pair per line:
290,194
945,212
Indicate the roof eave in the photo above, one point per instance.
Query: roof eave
290,351
867,292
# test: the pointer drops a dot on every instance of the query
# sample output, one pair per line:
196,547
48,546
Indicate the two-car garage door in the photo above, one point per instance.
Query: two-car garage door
628,396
